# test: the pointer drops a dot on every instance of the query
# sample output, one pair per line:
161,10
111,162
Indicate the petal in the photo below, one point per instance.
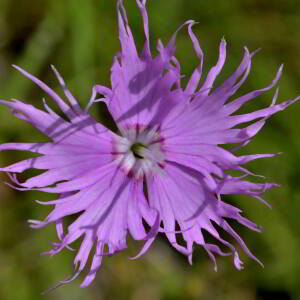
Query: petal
134,216
73,102
208,209
194,80
142,5
96,263
233,106
214,72
125,34
61,104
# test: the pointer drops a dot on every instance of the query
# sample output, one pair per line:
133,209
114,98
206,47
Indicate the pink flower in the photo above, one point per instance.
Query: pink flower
170,140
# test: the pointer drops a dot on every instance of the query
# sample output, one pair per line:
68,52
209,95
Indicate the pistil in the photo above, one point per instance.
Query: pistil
137,150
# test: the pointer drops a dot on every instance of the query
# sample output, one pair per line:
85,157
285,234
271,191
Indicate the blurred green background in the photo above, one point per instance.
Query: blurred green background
80,39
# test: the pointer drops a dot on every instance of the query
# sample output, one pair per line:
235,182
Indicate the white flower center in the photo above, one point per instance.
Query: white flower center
140,152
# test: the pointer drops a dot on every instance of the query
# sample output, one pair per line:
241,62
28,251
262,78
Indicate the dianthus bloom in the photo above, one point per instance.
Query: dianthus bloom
165,168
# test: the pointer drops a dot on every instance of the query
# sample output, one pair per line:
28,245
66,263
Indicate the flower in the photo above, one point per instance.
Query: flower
166,168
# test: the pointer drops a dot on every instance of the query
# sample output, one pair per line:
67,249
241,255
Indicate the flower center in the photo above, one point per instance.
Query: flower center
138,150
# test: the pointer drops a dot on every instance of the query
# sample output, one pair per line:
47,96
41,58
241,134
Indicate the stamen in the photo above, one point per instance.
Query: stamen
137,150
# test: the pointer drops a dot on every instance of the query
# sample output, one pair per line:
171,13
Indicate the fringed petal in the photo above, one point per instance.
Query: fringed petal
61,104
194,80
214,72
